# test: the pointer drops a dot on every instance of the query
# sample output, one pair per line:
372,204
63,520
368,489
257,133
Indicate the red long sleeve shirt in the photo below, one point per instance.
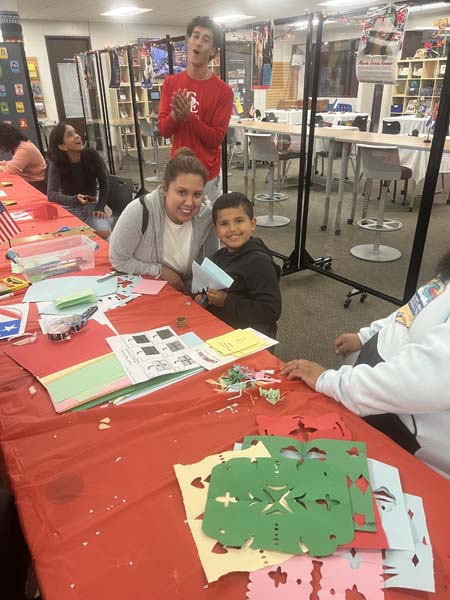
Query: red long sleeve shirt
204,130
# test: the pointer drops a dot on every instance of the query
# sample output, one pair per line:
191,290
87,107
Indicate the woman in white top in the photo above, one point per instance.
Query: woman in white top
162,233
400,381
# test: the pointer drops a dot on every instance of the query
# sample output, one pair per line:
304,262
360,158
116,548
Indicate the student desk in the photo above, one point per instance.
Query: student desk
101,508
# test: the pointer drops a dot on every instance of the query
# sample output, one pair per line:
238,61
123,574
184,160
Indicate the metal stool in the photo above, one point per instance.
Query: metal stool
263,148
380,163
151,130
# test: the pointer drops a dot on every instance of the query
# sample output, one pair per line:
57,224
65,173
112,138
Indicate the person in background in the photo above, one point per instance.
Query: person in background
161,233
73,176
27,160
196,105
254,298
400,381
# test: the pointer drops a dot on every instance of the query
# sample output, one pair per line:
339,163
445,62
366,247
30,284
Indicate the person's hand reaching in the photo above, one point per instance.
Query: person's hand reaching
306,370
347,342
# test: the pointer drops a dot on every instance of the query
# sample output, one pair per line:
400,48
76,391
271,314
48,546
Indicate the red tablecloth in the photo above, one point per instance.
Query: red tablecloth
101,509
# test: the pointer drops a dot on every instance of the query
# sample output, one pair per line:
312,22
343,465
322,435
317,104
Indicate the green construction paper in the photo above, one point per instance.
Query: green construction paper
346,456
86,381
282,504
152,385
75,298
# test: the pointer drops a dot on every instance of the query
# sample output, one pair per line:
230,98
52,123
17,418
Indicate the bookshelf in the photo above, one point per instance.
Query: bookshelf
418,86
36,87
121,102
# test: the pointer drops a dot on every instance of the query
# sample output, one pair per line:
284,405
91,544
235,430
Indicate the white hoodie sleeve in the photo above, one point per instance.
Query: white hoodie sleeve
415,381
365,333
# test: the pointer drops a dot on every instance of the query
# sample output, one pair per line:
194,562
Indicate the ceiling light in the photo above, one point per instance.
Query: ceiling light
432,6
339,3
232,18
125,11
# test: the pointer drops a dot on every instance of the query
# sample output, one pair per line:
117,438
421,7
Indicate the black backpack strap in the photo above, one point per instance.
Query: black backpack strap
145,215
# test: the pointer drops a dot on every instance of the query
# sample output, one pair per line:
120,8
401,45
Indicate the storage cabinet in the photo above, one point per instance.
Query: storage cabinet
418,86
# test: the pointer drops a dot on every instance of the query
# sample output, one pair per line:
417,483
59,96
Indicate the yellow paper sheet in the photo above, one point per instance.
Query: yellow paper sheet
235,341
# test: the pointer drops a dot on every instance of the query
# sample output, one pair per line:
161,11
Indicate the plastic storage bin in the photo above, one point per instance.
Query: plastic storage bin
49,258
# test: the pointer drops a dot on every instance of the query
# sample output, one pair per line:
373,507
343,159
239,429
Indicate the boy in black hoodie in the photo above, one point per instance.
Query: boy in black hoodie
254,299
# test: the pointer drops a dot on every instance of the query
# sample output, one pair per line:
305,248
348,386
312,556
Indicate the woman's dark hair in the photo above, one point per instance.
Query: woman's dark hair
57,138
10,137
443,267
232,200
89,157
185,162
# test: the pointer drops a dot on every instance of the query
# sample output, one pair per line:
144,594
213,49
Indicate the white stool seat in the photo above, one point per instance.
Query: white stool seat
263,149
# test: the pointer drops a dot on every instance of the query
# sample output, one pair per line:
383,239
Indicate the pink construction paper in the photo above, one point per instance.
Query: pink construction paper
149,286
288,581
328,426
338,577
292,580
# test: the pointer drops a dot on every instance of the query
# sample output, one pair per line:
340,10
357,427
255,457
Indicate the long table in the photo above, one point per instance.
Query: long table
346,136
100,507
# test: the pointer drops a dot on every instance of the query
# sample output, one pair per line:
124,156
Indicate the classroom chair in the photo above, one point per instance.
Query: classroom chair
392,127
381,163
263,149
120,195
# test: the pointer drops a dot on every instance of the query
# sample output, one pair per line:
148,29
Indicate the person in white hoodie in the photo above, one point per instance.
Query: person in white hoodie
401,377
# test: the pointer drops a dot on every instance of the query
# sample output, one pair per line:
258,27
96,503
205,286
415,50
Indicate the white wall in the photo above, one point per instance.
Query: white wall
101,34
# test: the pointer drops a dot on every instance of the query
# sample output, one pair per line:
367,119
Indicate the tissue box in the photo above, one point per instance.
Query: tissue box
50,258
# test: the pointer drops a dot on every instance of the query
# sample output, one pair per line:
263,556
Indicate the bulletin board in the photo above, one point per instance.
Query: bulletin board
16,100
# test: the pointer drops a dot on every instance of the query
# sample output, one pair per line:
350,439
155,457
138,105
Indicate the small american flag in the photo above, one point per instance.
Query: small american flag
8,228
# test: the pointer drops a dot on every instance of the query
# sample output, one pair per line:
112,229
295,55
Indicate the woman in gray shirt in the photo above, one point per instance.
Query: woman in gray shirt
162,233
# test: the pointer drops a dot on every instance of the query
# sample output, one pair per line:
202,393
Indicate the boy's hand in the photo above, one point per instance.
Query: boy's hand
347,342
198,298
217,297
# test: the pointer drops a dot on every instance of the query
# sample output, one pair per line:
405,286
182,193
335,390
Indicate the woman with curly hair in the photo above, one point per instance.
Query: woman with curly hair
26,161
73,176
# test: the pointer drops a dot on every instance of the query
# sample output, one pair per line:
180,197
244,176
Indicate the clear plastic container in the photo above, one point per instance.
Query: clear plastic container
49,258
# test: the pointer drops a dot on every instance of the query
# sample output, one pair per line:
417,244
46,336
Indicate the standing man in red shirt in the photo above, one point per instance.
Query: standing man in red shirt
196,105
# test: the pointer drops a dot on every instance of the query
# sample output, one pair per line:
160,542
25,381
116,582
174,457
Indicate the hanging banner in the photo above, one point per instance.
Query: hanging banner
381,44
179,56
146,63
262,56
114,81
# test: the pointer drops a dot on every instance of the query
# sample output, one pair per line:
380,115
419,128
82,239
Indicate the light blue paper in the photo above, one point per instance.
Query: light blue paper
50,289
191,340
412,569
209,275
387,489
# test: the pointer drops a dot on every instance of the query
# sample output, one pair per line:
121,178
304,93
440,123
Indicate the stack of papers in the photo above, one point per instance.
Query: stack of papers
83,372
230,347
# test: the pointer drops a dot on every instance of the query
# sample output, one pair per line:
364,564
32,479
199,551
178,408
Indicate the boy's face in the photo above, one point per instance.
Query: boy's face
201,46
234,227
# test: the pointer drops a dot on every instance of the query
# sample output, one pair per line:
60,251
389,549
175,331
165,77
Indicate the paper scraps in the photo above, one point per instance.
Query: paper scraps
243,379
